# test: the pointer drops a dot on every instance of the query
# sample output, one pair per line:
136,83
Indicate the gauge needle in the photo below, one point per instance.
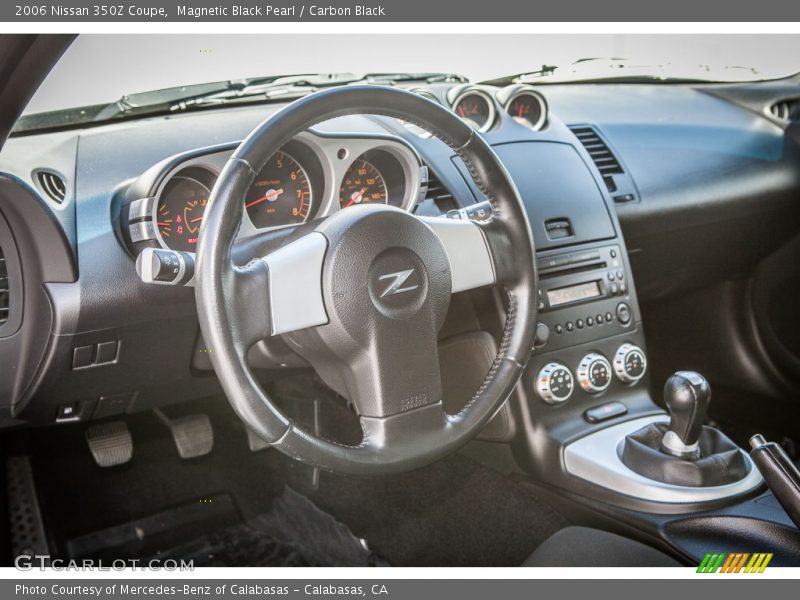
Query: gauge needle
196,220
271,195
356,197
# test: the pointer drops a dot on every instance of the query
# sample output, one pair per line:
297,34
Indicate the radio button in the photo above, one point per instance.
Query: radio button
610,276
554,383
579,323
609,317
620,274
559,329
623,313
622,287
589,321
614,288
594,373
599,319
569,326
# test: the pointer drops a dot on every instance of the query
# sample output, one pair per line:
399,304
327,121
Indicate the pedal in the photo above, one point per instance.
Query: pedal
254,441
26,524
192,434
110,443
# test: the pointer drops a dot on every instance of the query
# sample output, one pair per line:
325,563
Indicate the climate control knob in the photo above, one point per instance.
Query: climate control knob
630,363
554,383
594,373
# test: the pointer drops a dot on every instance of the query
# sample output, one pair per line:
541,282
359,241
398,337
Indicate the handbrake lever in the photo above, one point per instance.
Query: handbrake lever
780,473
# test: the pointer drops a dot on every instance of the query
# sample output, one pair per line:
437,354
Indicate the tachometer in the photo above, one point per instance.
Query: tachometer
180,211
280,195
362,184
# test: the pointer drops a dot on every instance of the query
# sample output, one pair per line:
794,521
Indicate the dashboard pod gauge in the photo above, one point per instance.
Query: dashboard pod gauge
181,207
362,184
475,108
280,195
528,108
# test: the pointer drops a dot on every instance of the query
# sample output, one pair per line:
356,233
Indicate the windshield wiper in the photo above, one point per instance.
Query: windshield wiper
264,89
277,88
623,70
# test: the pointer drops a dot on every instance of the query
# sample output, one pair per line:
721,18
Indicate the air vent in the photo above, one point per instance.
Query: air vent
52,185
786,110
438,199
5,295
602,156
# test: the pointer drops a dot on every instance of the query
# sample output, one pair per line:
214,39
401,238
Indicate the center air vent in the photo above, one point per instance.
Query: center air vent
786,110
52,184
618,182
600,153
5,293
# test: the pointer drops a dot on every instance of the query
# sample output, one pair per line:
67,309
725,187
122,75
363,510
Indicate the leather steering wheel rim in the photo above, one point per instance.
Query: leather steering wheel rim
225,293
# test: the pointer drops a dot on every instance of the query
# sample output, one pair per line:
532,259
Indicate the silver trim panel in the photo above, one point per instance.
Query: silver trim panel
471,263
295,284
595,458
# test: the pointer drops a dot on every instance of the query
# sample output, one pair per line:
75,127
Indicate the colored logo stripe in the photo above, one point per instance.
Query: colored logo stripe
733,563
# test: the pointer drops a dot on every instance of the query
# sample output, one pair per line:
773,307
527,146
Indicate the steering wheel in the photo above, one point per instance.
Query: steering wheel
363,294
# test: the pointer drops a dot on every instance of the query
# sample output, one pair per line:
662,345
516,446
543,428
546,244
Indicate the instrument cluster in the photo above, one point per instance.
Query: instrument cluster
311,176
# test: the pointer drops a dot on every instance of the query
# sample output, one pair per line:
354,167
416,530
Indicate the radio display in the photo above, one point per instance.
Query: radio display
574,293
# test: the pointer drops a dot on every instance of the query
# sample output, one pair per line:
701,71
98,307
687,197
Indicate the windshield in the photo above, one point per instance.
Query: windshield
99,70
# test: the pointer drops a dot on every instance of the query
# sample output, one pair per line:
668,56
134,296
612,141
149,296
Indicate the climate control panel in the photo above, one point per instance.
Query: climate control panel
594,373
554,383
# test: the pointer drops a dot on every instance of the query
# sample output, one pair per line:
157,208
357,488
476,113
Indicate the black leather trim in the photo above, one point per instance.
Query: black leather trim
719,461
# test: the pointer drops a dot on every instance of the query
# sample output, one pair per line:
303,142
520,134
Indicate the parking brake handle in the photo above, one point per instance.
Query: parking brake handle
780,473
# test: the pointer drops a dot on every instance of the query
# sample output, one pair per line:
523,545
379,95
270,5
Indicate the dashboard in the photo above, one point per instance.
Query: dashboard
621,182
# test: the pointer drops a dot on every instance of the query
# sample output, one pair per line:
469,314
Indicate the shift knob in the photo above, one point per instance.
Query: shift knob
687,395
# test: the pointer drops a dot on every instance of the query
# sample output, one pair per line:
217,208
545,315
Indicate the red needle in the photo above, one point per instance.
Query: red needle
519,111
196,220
355,197
270,195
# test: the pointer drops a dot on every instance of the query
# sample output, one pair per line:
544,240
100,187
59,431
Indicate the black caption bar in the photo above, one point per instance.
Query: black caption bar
399,11
392,589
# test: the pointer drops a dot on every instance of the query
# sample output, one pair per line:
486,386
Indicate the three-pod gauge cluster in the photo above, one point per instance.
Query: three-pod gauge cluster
481,106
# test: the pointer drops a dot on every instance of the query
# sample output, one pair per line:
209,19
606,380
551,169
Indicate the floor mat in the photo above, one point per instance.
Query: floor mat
452,513
296,533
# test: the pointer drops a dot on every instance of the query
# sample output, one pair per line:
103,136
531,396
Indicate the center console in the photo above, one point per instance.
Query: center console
588,430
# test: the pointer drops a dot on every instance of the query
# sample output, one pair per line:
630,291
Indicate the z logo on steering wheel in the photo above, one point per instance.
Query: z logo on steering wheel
399,279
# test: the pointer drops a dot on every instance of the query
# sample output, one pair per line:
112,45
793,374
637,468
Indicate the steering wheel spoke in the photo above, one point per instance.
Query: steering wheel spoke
472,263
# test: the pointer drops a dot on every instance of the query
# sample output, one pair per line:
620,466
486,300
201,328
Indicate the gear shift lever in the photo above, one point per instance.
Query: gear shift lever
687,395
684,452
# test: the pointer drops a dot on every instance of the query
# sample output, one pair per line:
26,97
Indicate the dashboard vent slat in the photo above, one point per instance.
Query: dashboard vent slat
601,154
5,292
52,184
438,199
786,110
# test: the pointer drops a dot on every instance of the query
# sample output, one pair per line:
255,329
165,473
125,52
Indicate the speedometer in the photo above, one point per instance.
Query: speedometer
280,195
362,184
